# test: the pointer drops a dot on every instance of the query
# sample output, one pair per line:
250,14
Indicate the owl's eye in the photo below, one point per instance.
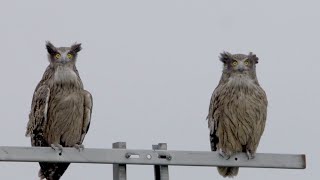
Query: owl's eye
234,63
70,56
246,62
57,56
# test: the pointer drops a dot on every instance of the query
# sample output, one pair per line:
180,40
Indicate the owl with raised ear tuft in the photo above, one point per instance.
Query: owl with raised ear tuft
238,109
61,109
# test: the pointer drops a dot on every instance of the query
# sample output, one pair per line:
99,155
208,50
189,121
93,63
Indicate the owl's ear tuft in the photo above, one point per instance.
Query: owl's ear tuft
76,47
253,57
50,48
225,57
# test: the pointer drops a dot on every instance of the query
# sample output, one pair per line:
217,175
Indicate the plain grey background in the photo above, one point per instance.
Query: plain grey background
151,67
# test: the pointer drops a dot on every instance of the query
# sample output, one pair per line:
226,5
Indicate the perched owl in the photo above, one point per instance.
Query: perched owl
61,109
238,109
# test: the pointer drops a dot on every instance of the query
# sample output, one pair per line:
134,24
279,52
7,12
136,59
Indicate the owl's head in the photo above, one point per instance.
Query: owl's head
239,63
62,55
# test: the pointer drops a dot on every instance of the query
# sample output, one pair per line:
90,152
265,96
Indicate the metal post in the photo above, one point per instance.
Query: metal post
161,172
119,170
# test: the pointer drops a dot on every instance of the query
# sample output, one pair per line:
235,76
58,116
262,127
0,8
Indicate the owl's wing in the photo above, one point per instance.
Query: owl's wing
87,114
38,113
212,122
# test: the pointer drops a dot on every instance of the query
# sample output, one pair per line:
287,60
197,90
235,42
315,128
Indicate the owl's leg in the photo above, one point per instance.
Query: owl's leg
227,144
250,149
79,147
252,146
224,154
250,154
57,147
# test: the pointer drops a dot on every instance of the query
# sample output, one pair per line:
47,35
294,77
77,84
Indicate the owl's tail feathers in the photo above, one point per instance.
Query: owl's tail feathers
52,171
228,171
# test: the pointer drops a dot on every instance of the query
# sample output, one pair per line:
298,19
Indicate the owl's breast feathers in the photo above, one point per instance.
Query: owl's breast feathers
65,117
238,107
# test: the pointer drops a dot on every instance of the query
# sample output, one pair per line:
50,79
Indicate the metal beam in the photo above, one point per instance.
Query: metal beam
150,157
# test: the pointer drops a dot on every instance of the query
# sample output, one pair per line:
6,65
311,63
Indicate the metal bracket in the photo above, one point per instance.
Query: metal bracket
161,172
119,170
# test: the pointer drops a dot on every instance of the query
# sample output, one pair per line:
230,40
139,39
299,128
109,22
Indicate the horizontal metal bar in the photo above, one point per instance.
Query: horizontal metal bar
150,157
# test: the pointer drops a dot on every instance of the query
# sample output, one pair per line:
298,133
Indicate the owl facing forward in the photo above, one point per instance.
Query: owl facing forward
61,109
238,109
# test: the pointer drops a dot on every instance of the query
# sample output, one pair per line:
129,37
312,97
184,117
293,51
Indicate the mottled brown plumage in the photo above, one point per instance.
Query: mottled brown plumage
238,109
61,109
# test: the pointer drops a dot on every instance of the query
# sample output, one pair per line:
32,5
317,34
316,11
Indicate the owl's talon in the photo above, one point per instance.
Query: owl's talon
224,155
250,155
57,147
79,147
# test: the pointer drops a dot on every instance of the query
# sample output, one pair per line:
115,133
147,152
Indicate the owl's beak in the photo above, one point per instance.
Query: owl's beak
241,69
64,61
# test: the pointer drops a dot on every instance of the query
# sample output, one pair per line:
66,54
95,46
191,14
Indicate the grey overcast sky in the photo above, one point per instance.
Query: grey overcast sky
151,67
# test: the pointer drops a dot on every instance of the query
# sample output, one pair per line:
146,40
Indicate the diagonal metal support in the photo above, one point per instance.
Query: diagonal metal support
161,172
119,170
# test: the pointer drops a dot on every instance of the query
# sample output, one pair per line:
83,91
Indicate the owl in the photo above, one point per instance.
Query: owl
61,109
238,109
